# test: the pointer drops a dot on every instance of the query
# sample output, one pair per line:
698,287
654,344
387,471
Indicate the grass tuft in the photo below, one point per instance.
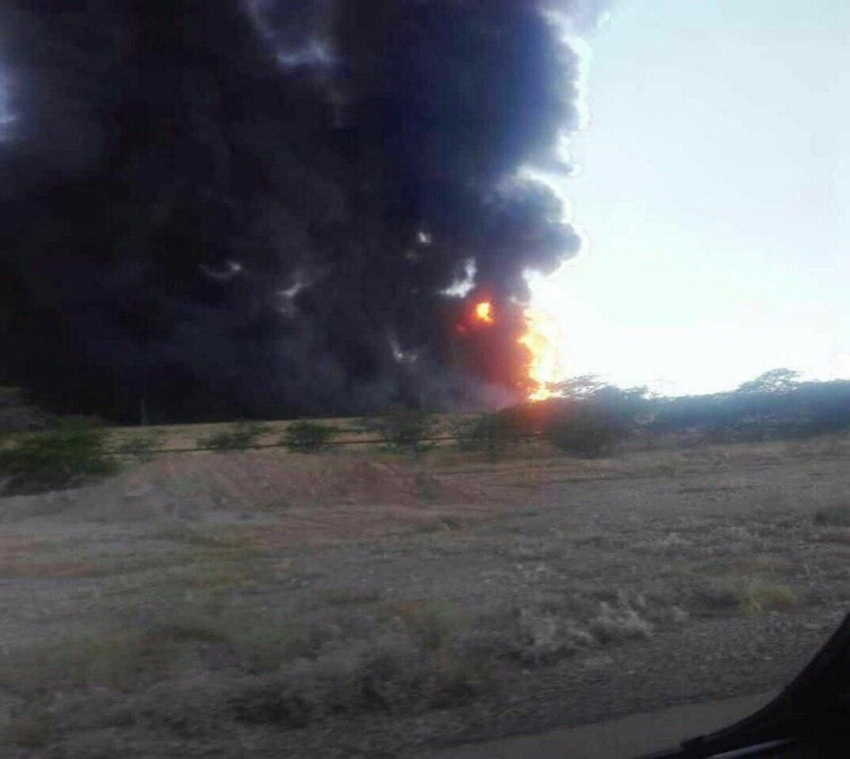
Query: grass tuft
746,595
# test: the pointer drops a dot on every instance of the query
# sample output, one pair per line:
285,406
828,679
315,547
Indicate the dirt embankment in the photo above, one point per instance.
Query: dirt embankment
297,500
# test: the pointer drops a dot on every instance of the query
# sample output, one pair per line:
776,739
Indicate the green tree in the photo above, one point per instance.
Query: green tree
774,381
579,388
593,416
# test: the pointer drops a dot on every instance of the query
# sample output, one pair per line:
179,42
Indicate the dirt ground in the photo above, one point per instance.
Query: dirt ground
265,604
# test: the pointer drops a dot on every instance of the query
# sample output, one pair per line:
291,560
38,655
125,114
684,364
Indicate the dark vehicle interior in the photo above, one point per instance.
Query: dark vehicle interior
810,718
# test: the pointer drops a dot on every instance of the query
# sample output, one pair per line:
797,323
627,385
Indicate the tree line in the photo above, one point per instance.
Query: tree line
586,418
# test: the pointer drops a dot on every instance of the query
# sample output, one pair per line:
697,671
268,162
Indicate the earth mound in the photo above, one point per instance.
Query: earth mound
191,486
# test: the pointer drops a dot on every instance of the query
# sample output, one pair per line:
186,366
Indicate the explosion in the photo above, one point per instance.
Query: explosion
544,370
525,343
484,312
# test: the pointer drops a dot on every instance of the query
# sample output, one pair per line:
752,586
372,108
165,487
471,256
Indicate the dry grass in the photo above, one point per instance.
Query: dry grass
395,657
838,536
287,672
745,586
747,595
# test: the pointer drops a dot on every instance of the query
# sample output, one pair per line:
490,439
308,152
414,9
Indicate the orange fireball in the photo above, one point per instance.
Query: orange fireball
484,312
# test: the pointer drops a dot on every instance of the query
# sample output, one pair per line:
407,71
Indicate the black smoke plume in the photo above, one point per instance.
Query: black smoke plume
213,208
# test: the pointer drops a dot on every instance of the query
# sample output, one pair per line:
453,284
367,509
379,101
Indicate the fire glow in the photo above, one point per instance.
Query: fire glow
541,342
544,368
484,312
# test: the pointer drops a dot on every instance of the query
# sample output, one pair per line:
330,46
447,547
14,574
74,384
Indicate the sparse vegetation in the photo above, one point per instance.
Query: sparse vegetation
434,625
141,445
583,431
248,620
488,433
404,657
72,452
403,430
238,437
745,594
744,582
308,437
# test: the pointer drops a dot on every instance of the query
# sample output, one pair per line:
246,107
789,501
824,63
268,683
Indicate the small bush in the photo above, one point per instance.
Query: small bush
308,437
546,629
74,451
403,430
238,437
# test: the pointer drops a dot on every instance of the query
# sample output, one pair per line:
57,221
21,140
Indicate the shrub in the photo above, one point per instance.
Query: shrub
238,437
308,437
614,623
74,451
404,430
586,431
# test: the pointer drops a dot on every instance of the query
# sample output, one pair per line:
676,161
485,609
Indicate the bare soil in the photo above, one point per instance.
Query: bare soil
265,604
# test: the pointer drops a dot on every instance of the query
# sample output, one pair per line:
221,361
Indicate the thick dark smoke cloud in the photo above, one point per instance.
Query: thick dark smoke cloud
221,207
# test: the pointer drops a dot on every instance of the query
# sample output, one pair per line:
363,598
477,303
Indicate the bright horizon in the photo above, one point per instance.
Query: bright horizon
713,198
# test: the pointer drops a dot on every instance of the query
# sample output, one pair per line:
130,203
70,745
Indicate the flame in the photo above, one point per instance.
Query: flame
484,312
544,368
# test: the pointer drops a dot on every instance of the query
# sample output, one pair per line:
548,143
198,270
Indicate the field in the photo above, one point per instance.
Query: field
361,604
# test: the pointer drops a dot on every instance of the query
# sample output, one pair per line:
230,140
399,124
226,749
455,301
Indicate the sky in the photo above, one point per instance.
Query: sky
713,196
